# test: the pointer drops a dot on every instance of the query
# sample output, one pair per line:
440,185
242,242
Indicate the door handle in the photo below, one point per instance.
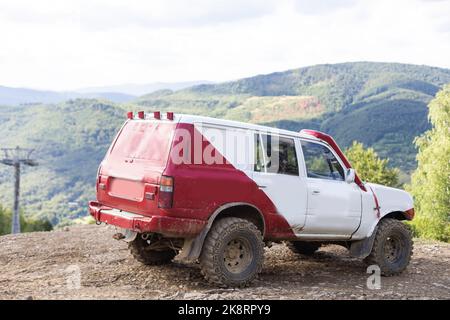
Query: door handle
262,187
315,192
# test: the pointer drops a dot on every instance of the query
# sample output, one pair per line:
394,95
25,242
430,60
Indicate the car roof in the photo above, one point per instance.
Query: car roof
188,118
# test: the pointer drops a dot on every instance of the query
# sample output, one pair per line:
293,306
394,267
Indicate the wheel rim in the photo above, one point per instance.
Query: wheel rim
237,255
393,249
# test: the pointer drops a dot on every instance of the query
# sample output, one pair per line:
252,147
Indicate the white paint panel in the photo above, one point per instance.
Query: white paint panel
287,192
334,207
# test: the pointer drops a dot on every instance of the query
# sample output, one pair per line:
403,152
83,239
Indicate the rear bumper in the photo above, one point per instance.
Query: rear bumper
167,226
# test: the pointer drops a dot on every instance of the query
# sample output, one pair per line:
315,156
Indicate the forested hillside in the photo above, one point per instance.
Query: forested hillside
380,104
70,140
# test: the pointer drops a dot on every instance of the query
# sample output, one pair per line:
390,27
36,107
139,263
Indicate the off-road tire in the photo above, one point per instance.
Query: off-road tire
303,247
232,240
139,249
392,247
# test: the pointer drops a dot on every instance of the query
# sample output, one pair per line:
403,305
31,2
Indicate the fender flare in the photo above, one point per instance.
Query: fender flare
192,247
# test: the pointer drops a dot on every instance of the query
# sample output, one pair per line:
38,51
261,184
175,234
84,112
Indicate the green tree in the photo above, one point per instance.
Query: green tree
370,167
430,183
26,225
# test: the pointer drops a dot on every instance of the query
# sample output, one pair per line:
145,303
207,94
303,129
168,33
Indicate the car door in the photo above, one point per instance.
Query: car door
334,206
277,173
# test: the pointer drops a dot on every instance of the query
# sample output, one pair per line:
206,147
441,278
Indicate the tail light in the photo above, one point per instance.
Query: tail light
165,199
141,115
130,115
157,115
169,115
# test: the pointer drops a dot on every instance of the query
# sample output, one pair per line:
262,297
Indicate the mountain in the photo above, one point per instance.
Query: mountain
141,89
16,96
380,104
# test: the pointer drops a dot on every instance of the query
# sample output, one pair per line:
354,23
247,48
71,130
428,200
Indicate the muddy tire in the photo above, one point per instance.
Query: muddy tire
303,247
392,247
233,253
140,251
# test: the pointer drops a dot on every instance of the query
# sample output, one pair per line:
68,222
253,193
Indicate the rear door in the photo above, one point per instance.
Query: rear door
131,170
277,173
334,206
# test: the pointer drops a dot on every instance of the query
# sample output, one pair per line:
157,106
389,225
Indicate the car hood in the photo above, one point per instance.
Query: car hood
391,199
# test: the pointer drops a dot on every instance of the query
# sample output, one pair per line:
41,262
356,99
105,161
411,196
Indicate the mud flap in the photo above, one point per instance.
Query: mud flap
362,248
192,248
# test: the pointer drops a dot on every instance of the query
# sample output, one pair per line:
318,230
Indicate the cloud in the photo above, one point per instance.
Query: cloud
71,44
323,6
111,14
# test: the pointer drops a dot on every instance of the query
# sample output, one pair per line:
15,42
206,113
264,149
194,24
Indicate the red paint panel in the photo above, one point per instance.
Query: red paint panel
202,188
199,189
134,166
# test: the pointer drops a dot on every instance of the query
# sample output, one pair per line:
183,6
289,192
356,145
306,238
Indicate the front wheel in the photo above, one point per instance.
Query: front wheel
233,253
392,247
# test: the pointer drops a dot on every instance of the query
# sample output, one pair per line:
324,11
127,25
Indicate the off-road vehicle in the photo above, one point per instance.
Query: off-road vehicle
216,191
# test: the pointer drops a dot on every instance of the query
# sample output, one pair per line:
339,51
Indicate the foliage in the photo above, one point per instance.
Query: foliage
26,225
430,183
370,167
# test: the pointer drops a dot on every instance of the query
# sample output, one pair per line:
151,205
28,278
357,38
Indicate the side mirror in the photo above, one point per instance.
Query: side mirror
350,175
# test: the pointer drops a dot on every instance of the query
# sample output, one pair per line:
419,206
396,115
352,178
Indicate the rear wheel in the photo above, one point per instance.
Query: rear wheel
392,248
233,253
142,252
303,247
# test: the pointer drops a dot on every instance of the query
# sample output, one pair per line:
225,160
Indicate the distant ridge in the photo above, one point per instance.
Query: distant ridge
17,96
141,89
117,94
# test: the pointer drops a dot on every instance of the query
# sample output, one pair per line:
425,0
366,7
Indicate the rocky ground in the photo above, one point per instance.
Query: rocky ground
46,265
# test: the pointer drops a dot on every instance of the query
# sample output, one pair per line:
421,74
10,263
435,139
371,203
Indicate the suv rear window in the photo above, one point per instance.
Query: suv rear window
281,147
144,140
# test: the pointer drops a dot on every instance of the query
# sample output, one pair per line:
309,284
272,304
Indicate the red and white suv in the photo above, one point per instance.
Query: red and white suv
216,191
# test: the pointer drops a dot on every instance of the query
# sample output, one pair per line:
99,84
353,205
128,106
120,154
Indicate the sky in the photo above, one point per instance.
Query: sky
70,44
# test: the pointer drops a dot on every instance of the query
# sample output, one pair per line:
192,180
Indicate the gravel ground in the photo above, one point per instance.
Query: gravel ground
45,265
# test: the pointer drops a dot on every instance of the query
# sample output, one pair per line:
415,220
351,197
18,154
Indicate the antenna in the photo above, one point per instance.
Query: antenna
15,157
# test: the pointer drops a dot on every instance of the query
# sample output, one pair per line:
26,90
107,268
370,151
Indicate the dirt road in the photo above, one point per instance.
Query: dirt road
46,265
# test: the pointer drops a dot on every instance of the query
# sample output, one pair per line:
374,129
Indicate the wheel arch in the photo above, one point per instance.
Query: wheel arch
362,248
399,215
240,210
192,247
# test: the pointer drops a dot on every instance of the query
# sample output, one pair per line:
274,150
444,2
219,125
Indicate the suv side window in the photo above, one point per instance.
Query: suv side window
320,162
259,160
281,147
